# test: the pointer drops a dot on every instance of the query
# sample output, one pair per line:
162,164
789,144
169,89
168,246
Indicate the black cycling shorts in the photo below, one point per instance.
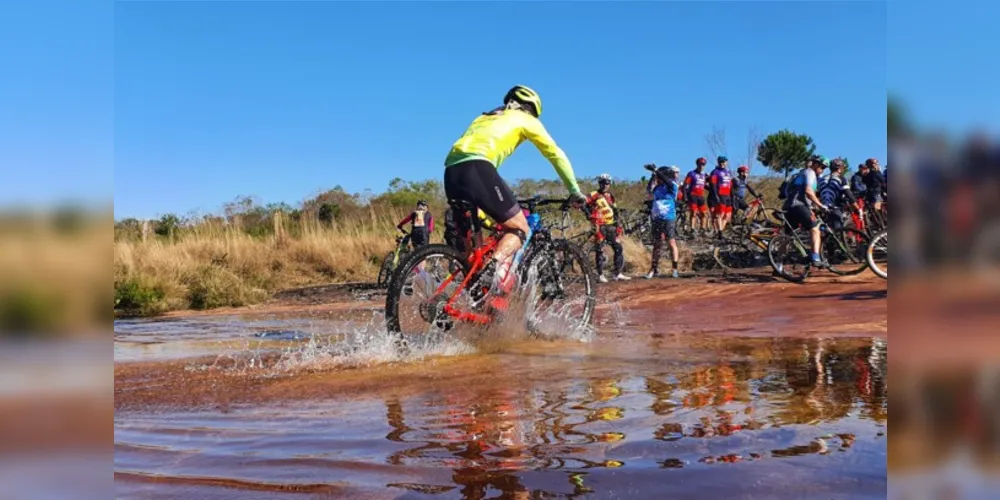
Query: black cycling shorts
478,182
740,203
663,228
801,216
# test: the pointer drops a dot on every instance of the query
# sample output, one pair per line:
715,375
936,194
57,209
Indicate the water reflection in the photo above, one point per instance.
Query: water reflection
783,396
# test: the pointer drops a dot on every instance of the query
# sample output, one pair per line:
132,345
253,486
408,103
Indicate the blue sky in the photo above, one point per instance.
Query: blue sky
56,98
172,106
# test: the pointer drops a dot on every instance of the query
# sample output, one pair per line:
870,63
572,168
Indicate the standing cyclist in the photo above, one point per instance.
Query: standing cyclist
694,193
720,199
608,226
663,188
421,225
471,174
801,198
741,185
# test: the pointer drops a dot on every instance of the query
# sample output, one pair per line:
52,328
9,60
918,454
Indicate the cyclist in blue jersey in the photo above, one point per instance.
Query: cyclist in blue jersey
662,188
801,198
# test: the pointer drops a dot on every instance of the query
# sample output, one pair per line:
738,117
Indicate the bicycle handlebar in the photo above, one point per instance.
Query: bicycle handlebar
537,201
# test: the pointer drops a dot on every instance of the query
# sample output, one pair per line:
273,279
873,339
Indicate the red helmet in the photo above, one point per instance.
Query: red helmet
743,168
701,161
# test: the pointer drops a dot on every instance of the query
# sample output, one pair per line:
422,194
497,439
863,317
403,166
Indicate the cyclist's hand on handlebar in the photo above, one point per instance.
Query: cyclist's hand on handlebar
577,199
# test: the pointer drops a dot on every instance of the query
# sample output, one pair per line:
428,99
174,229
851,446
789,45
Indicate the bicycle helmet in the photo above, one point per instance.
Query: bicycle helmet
701,161
822,160
743,169
838,163
421,203
721,160
604,179
871,162
528,98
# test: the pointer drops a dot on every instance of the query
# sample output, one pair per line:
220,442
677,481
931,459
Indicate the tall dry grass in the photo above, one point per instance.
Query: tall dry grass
212,265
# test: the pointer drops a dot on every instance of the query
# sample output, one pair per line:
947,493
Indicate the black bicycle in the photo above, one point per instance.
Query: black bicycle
843,251
392,260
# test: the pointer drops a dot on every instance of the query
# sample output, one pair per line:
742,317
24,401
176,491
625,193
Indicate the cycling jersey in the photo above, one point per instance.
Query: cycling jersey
721,182
418,219
493,136
741,187
664,201
858,184
831,192
796,190
602,206
694,183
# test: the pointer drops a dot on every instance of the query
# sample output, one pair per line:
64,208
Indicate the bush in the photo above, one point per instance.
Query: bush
135,298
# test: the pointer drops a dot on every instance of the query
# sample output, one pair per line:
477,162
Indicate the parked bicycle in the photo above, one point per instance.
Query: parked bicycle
392,259
843,251
437,287
747,248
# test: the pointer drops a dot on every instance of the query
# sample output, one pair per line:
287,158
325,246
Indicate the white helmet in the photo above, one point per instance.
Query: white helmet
604,179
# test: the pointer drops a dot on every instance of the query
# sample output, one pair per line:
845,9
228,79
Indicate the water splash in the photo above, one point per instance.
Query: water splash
346,345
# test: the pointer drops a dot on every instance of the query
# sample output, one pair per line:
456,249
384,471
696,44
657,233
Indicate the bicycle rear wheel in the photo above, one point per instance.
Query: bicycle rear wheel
419,289
731,254
789,257
846,253
878,254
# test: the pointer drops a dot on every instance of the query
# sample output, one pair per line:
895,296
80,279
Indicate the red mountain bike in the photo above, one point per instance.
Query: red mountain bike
438,286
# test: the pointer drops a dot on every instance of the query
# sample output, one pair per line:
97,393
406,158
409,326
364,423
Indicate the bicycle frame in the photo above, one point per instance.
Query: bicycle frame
477,259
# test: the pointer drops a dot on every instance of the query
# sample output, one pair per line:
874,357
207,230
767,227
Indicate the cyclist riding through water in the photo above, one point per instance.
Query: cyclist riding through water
471,173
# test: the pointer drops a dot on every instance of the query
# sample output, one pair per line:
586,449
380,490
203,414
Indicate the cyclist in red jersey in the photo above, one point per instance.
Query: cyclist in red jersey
694,193
720,186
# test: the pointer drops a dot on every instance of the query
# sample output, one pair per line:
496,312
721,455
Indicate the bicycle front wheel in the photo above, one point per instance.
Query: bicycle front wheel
845,252
385,271
560,284
878,255
789,257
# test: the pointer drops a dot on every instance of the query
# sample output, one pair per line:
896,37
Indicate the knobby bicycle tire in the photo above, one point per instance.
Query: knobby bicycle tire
397,282
858,263
877,268
556,246
777,247
385,271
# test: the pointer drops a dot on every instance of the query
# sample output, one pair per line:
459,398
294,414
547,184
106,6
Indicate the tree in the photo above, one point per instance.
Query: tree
328,212
716,142
167,225
785,150
753,141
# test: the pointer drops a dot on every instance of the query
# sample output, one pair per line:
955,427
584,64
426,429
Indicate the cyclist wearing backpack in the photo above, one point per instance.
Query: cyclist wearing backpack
421,225
801,198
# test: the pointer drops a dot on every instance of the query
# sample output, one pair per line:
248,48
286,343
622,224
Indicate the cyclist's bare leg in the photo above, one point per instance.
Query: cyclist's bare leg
673,251
814,236
509,242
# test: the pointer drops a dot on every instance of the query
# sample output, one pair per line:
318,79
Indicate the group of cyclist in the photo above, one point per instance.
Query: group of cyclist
471,178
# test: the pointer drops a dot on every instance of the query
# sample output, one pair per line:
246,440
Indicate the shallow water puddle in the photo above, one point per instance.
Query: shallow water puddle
647,415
